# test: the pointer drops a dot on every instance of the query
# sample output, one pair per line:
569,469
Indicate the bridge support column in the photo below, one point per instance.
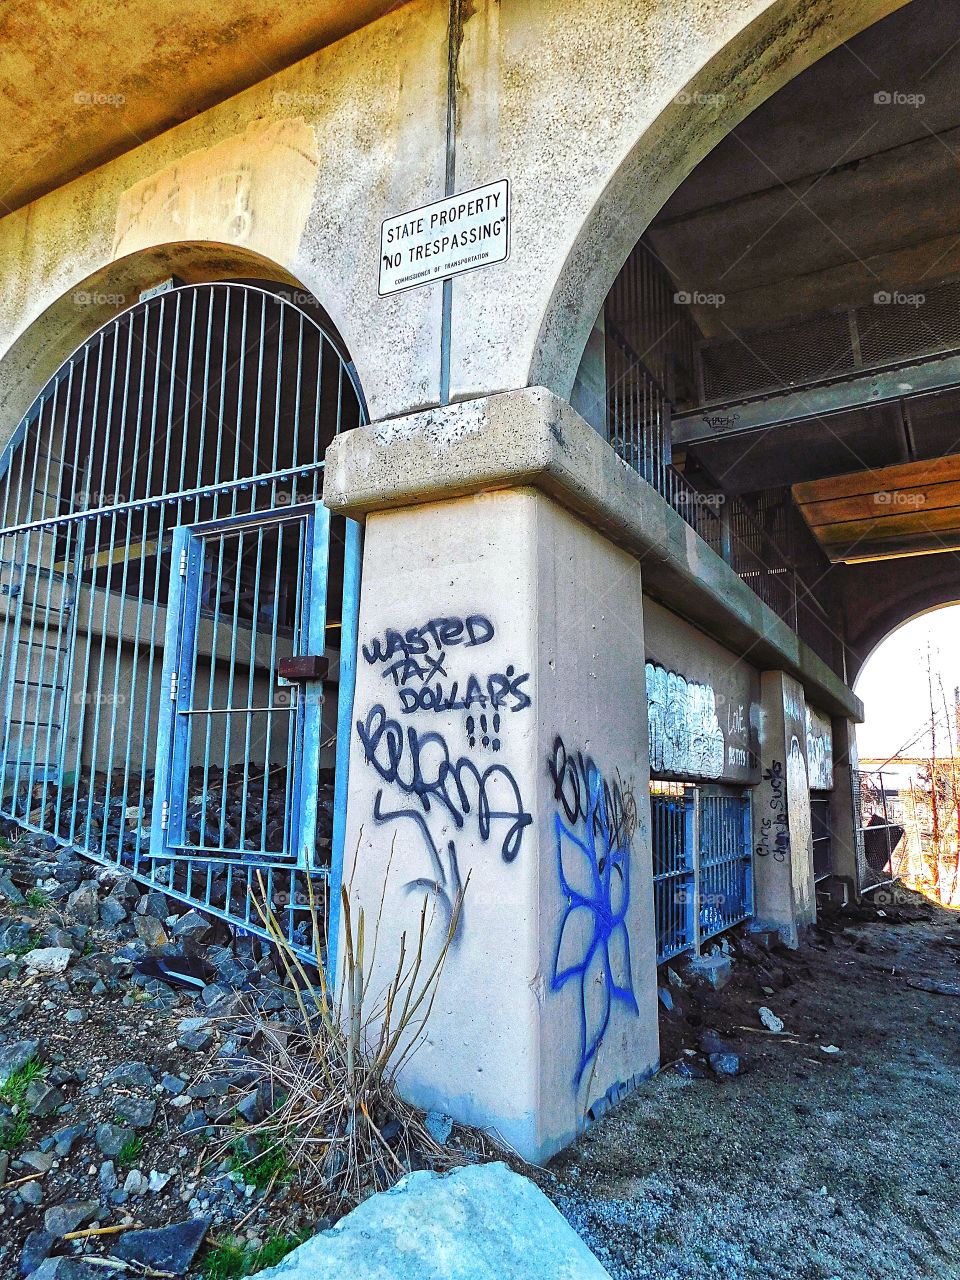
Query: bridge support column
499,750
785,897
844,814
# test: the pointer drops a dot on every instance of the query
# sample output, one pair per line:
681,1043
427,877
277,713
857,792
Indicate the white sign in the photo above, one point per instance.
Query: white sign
458,234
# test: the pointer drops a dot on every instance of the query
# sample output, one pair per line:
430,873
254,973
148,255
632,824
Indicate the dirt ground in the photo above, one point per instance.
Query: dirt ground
808,1165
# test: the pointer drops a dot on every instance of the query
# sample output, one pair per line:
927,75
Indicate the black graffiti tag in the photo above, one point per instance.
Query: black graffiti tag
420,765
438,633
572,777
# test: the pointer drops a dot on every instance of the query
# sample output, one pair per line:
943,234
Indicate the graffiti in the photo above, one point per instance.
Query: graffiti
420,768
593,827
819,736
774,838
685,733
414,661
500,690
572,778
420,765
438,633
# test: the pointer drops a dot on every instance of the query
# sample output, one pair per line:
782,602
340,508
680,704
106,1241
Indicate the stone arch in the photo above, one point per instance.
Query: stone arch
784,39
80,310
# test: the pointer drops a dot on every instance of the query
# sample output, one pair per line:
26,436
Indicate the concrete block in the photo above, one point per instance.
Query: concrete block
483,1222
714,971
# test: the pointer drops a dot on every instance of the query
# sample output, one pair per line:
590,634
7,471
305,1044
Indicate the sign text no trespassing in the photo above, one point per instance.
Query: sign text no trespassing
458,234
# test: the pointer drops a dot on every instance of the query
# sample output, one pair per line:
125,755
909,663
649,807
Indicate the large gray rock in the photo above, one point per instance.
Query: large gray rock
84,903
483,1222
169,1250
14,1057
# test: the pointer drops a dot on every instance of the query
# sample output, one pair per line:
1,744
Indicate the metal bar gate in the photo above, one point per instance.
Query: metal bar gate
702,863
163,552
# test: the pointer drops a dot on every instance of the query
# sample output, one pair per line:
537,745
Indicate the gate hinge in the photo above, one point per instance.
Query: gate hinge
174,686
165,815
183,563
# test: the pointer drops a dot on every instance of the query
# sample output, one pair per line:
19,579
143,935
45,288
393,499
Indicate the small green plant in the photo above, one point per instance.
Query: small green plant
260,1166
131,1150
37,898
232,1259
14,1090
13,1133
22,948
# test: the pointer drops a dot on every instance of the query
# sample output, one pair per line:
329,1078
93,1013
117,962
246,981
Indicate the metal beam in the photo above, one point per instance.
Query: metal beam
720,421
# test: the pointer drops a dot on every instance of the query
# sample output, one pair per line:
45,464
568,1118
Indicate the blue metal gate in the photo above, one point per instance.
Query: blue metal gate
702,863
164,561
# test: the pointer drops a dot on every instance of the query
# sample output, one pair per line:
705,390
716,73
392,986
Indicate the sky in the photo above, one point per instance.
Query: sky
893,686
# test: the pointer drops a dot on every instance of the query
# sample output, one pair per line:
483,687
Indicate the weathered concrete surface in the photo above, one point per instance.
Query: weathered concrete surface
288,180
784,890
85,84
846,842
666,80
483,1222
500,734
532,437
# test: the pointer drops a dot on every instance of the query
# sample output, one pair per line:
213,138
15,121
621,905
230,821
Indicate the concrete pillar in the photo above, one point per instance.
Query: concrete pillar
500,747
846,839
785,897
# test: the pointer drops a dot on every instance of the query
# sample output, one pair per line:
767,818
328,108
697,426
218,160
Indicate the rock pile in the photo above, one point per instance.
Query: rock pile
127,1023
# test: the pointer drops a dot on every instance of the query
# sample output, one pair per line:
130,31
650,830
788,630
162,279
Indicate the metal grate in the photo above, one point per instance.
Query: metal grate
159,508
725,863
822,837
671,825
900,326
702,863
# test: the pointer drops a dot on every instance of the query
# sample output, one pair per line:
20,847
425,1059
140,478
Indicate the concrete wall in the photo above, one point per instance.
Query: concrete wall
292,178
713,696
785,897
547,1002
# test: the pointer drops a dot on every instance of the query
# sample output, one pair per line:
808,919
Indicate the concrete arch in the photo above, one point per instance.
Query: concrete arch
76,314
782,40
905,622
885,595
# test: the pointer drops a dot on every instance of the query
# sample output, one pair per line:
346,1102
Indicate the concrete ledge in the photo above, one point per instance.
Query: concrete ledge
531,437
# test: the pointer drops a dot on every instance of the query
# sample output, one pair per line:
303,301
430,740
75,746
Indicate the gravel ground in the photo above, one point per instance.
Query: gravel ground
808,1164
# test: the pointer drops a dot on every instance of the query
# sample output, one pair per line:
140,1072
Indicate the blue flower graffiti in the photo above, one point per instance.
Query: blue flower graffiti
593,826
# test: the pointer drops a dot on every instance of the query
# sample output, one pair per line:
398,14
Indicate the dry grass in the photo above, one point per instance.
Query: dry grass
335,1125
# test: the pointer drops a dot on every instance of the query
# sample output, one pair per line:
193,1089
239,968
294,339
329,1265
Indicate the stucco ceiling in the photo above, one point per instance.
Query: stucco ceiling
85,82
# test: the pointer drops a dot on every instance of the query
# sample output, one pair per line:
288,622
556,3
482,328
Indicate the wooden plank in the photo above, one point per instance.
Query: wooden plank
903,475
866,506
902,525
893,548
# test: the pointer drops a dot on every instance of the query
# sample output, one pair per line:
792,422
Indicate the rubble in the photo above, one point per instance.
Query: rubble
770,1020
116,1112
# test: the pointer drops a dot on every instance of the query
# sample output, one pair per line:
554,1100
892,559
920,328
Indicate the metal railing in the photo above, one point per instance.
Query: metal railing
648,350
162,552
